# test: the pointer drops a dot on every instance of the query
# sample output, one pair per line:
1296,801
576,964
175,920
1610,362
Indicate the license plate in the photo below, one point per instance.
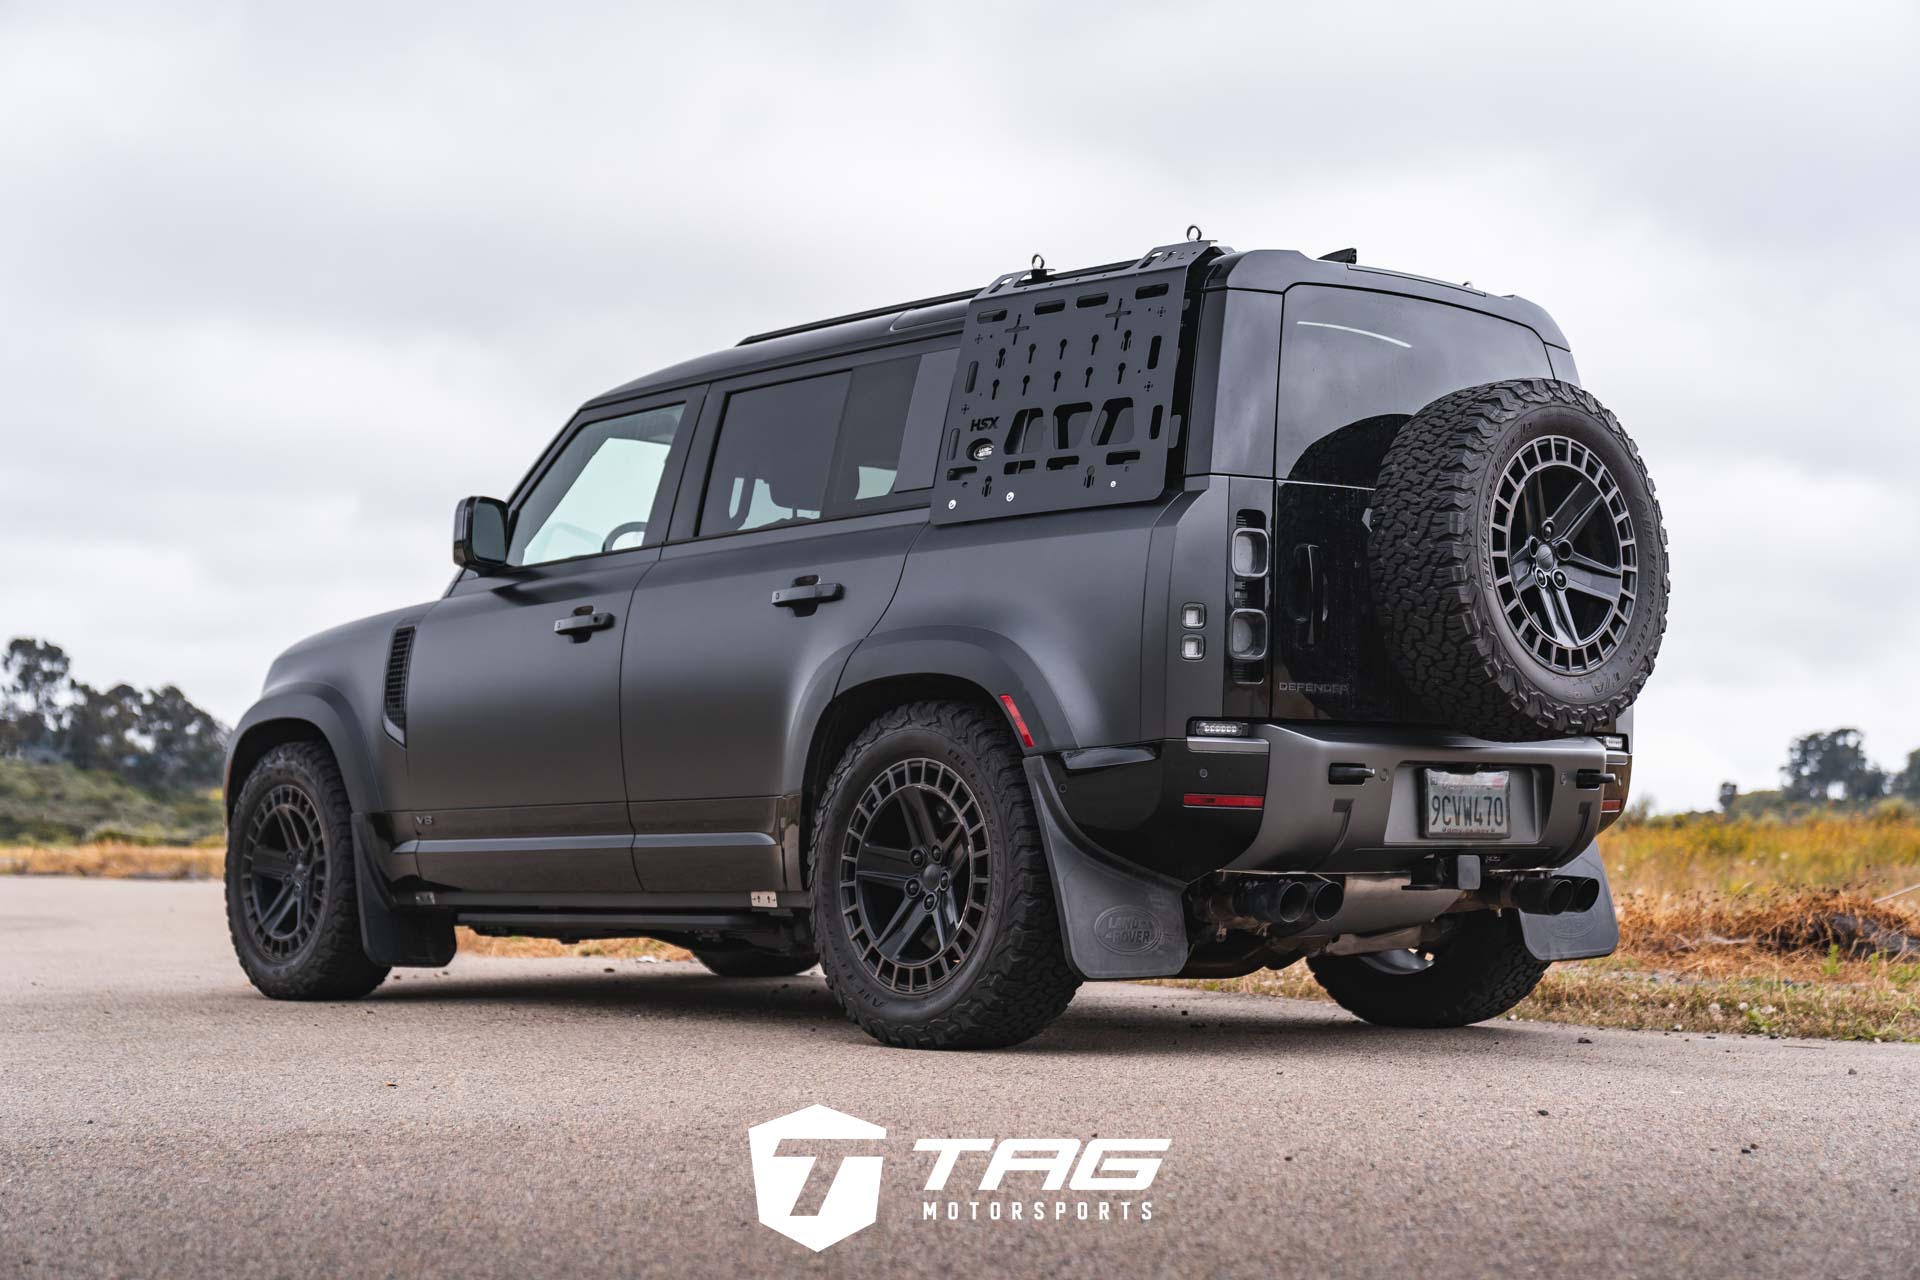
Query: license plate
1465,804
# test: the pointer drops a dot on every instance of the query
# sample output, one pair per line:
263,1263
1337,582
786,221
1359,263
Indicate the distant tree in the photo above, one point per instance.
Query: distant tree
1907,782
156,738
1729,792
1831,766
186,747
37,682
99,729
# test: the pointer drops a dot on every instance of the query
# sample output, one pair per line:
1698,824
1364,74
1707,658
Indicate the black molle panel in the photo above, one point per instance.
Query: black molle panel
1065,395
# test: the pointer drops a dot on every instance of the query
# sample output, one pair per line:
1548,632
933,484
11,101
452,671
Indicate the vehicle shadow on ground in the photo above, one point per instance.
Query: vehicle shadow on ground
1169,1020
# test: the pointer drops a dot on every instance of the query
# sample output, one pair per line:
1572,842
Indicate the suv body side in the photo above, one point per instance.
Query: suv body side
722,707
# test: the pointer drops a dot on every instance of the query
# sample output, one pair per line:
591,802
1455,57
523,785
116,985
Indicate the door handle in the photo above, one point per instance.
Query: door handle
581,626
805,595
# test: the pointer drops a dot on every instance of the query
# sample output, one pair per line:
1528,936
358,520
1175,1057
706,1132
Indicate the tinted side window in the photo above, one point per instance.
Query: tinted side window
869,458
774,454
1355,366
835,445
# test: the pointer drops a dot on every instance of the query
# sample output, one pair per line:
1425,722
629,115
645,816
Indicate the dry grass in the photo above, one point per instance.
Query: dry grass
114,861
472,943
1748,926
1876,854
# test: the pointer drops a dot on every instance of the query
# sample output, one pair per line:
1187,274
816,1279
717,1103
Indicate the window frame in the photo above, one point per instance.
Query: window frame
706,438
693,398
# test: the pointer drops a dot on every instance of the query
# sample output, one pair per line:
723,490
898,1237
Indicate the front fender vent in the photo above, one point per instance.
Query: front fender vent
399,659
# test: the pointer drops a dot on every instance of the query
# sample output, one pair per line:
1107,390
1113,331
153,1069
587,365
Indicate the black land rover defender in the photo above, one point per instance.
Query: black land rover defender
1188,615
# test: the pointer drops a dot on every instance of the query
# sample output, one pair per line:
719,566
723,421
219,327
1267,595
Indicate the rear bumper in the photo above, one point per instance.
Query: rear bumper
1369,819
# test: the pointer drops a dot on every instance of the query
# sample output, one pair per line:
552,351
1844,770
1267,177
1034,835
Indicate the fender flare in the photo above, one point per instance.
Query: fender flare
327,710
973,654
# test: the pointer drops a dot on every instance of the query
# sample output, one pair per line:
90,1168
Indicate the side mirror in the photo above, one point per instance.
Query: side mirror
480,534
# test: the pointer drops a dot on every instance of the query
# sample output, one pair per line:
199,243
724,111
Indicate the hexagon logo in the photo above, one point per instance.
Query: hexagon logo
852,1201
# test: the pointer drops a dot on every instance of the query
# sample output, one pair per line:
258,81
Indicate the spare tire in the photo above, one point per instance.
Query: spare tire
1518,561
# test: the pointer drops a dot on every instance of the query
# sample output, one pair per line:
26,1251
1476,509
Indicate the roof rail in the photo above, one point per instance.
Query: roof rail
874,314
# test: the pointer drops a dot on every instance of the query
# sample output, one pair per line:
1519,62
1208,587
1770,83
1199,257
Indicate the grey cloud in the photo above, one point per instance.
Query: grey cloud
278,285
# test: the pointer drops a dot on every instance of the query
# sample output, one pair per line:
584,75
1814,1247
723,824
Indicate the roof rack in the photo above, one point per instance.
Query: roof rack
874,314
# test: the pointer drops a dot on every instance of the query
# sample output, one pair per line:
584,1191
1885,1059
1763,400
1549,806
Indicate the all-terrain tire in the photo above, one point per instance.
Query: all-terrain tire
1438,593
1480,972
323,958
1015,979
751,962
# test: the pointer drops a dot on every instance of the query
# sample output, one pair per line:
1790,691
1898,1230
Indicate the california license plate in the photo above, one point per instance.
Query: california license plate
1465,804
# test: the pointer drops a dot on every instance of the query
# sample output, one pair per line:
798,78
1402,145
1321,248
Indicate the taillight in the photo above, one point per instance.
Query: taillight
1250,559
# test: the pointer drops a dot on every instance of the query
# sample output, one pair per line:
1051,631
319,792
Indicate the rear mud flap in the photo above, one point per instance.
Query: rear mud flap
1576,935
1119,921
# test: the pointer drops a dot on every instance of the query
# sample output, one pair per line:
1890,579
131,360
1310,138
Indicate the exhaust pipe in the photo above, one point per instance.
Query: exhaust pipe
1543,895
1586,892
1282,904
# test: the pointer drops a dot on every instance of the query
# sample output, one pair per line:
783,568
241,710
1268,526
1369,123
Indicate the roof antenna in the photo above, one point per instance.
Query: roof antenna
1348,256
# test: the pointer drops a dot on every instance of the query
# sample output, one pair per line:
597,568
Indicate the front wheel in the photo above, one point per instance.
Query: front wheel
931,900
1478,972
293,907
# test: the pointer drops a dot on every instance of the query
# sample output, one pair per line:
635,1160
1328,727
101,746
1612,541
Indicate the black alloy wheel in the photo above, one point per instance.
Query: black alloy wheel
914,875
1564,556
284,872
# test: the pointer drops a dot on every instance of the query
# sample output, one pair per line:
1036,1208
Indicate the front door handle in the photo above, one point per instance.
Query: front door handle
805,595
581,626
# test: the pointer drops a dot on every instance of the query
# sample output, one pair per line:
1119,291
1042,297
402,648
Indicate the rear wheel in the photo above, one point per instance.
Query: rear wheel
932,904
751,962
1478,972
293,907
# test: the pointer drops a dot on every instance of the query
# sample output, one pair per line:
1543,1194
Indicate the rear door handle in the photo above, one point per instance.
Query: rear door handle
581,626
805,594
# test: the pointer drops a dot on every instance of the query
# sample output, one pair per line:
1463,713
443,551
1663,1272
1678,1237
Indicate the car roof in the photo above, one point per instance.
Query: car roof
1264,270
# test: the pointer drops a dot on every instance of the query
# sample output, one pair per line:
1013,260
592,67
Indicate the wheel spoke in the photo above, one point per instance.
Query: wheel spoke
890,879
265,861
890,861
951,842
1600,583
1573,512
283,904
905,926
1550,611
1526,522
1562,613
919,816
942,926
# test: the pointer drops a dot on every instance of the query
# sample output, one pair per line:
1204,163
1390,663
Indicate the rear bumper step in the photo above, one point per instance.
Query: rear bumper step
1346,798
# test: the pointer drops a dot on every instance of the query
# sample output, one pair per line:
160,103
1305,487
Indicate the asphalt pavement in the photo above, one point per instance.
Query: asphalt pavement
535,1118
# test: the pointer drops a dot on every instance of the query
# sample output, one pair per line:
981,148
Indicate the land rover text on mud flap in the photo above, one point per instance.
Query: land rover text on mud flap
1193,614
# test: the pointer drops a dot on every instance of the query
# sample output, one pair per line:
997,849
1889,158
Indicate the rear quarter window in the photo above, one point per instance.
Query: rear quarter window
1354,366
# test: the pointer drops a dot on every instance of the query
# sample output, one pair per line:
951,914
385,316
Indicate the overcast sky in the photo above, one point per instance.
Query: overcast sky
280,283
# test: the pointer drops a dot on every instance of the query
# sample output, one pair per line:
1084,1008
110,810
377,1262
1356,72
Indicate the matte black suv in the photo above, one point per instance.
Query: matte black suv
1188,615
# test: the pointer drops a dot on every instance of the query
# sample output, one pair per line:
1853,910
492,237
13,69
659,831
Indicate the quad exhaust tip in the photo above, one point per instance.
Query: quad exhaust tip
1286,904
1545,895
